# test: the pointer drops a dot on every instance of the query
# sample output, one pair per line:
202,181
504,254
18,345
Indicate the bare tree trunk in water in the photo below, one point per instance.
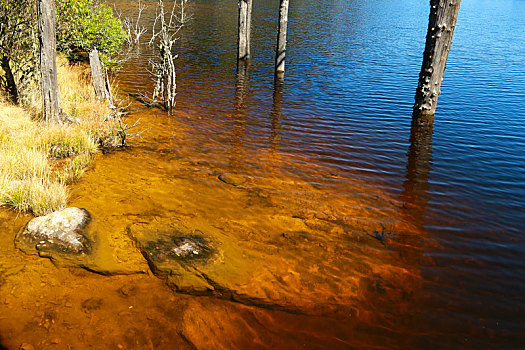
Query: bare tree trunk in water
11,88
441,24
245,24
52,108
281,39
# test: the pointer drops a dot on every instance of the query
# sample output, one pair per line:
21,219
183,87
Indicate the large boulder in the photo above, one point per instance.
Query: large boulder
60,231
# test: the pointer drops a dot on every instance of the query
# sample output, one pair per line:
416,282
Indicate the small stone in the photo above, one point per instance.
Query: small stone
26,346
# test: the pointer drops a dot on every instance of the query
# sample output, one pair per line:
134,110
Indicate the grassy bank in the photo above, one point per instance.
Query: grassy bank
39,160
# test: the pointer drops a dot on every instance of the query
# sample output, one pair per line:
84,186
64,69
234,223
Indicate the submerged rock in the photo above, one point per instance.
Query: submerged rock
178,255
74,238
60,231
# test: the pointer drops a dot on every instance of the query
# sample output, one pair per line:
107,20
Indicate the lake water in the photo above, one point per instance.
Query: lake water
344,227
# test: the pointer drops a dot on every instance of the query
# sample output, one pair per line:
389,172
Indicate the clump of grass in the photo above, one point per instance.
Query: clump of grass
37,195
74,169
38,159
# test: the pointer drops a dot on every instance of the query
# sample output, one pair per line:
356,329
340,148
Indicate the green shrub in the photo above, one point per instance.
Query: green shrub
83,25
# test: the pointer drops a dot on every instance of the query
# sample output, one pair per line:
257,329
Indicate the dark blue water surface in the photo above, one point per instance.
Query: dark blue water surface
352,69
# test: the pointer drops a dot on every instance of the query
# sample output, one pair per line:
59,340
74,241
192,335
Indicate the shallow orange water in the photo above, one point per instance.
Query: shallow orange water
321,264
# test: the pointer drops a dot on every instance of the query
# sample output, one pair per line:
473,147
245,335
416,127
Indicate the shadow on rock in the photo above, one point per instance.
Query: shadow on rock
178,255
181,248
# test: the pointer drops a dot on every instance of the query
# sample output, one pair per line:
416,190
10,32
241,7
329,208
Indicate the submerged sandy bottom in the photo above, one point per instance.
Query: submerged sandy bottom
306,255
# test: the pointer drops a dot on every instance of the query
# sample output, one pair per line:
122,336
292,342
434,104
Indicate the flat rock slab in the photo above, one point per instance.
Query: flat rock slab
60,231
178,255
295,271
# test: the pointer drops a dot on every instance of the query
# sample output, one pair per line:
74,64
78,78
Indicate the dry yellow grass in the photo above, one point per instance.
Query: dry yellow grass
38,160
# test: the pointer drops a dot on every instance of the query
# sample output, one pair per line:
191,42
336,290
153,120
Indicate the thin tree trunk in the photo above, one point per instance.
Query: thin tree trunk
281,39
441,24
172,84
52,108
11,87
244,36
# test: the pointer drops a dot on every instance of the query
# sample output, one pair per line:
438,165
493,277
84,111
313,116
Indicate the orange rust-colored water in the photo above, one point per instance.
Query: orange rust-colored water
312,245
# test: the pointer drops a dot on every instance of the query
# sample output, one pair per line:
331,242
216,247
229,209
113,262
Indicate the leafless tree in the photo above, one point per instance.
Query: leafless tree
184,15
133,28
165,30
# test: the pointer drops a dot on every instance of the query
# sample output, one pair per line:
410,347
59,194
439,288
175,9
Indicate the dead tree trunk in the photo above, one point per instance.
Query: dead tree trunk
281,39
97,75
100,80
245,24
10,83
441,24
52,108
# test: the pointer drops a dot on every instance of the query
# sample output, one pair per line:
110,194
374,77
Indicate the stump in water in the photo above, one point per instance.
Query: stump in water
245,22
98,76
441,24
281,39
52,107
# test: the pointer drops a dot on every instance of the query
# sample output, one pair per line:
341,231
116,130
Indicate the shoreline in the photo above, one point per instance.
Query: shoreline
39,160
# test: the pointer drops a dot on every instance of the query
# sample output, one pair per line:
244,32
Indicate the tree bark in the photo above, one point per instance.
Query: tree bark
281,39
245,24
441,25
52,108
11,87
97,75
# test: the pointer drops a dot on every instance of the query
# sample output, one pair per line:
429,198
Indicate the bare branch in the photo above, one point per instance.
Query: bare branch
162,67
